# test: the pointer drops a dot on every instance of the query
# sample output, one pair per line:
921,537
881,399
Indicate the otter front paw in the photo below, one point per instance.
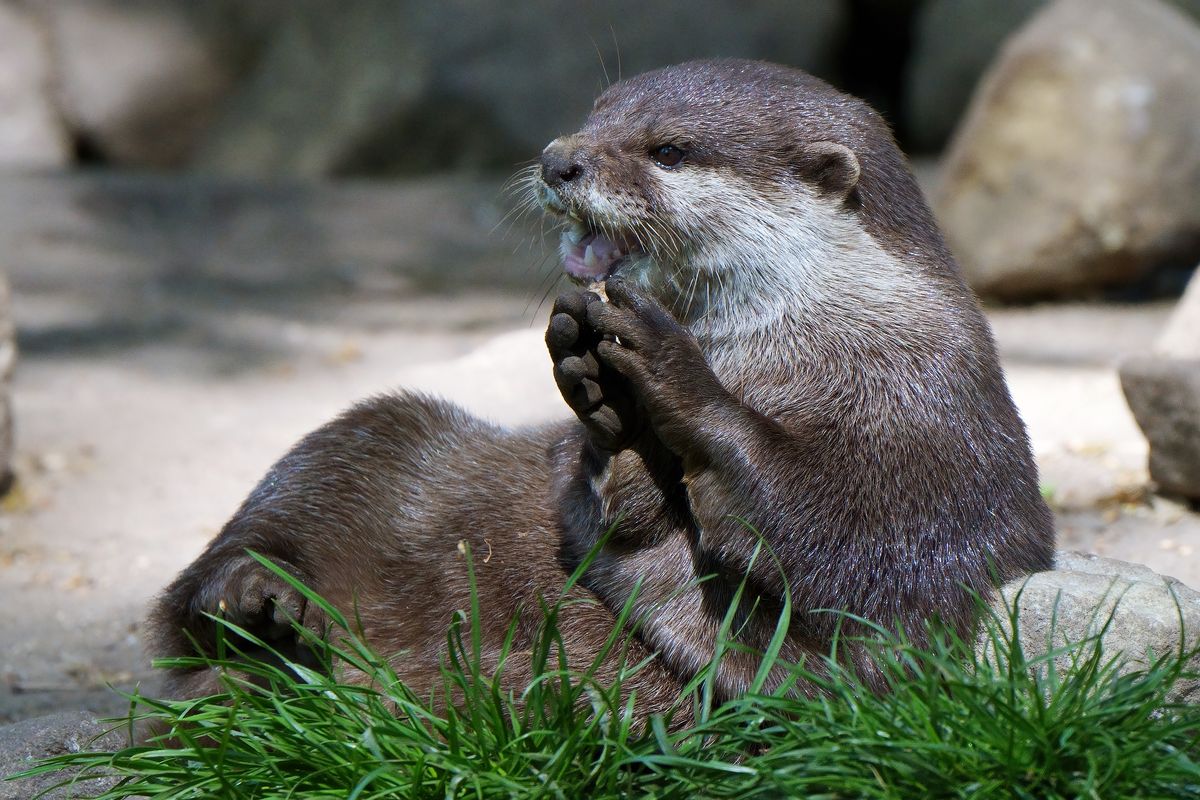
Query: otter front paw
661,362
598,394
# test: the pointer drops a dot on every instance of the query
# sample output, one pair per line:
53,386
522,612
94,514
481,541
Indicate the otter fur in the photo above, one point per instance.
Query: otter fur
787,362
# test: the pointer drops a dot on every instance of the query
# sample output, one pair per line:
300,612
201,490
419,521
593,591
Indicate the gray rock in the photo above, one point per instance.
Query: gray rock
953,43
139,80
332,83
1078,165
1181,336
1142,614
31,133
1164,395
1163,391
23,743
380,86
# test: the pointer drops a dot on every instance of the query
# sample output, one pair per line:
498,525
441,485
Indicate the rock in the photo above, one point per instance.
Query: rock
140,80
23,743
1163,391
953,42
31,133
380,86
332,83
8,360
1075,600
1078,163
1164,395
1180,337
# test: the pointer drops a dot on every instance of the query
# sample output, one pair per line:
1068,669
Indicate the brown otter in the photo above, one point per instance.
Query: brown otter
786,342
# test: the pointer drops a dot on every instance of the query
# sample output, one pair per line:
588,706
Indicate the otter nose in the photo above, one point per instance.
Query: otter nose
559,167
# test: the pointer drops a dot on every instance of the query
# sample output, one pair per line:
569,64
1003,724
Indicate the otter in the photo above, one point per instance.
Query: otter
787,387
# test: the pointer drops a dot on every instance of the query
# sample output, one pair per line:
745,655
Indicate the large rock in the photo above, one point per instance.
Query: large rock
140,80
1181,336
1140,613
335,85
1164,395
953,43
23,743
378,86
1078,165
1163,391
31,133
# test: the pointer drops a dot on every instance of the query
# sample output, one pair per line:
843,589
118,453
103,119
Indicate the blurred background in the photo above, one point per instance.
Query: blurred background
224,221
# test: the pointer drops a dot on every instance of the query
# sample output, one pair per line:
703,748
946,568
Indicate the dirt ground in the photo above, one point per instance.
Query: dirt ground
145,415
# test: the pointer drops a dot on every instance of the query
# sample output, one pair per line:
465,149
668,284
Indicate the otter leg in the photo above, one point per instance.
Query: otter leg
366,511
240,590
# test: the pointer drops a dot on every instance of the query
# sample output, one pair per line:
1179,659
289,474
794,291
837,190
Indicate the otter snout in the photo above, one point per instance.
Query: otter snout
560,162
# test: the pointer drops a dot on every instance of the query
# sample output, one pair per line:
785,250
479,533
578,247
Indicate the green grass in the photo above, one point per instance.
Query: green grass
954,725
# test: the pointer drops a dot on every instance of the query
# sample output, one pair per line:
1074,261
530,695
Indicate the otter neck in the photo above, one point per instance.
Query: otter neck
768,254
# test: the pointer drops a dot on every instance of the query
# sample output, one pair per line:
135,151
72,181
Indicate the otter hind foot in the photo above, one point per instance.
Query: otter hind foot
265,605
254,599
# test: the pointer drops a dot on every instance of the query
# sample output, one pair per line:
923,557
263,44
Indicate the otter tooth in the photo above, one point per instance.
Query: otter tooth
589,258
576,233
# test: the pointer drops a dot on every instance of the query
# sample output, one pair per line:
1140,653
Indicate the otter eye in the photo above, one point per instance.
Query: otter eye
668,156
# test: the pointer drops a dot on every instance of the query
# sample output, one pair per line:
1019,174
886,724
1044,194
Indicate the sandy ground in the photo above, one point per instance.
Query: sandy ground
144,416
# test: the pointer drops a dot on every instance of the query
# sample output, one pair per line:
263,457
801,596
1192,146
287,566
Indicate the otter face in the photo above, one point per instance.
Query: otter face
696,177
606,194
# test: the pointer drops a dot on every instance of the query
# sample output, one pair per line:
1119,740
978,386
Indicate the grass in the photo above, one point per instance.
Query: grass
1069,724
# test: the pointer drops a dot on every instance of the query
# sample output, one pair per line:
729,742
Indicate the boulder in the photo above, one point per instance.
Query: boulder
1163,391
1078,163
139,80
23,743
1142,614
401,86
1181,336
333,85
953,43
31,133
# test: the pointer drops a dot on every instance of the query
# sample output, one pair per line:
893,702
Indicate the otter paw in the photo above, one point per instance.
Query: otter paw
598,395
260,602
658,358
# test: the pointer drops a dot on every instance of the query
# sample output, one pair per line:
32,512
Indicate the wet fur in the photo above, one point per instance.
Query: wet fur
797,349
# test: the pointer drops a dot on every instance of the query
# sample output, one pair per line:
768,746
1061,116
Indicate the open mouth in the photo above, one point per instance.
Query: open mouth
593,256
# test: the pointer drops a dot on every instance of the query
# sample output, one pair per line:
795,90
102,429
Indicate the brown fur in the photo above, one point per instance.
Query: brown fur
869,437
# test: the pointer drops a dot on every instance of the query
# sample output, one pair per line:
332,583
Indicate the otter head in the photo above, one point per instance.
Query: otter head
712,177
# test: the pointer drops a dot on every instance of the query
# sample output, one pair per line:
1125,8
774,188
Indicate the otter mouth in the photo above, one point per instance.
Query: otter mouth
592,255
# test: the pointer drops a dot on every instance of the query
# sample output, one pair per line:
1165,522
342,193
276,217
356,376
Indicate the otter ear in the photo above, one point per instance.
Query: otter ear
831,167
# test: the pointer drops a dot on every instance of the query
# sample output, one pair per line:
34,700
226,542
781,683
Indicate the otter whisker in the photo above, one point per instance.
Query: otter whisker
687,312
